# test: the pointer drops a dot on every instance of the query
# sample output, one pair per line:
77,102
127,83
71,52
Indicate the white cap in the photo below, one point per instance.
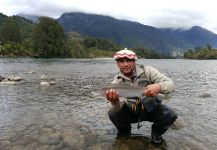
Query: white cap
125,53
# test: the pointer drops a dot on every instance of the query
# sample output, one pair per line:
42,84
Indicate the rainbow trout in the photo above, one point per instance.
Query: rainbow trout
127,91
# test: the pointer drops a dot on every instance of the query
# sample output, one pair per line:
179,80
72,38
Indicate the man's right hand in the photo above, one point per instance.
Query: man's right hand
112,95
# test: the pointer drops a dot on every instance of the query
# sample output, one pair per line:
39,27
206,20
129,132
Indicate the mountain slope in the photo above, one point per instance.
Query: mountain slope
33,18
24,24
194,37
133,34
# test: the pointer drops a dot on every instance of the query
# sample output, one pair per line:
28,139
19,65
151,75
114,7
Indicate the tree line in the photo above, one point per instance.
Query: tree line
206,52
47,39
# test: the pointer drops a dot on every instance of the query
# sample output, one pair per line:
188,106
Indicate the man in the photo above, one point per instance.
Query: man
154,83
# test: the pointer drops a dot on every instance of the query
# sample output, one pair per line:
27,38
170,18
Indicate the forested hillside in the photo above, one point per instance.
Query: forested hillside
47,38
134,34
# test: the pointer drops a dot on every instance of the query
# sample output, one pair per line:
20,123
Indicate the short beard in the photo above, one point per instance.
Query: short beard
130,74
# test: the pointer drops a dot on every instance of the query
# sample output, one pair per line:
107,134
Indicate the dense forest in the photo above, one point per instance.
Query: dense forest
20,37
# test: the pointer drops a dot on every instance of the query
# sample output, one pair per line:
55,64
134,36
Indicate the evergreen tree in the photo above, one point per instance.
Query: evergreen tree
48,38
10,32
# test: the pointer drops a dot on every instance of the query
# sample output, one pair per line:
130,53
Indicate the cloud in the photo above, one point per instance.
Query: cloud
157,13
177,19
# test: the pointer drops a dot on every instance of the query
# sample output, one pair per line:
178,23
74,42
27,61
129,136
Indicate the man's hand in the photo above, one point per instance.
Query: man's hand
112,95
152,90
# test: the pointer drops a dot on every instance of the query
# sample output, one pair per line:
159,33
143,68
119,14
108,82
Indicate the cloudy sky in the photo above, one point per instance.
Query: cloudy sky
157,13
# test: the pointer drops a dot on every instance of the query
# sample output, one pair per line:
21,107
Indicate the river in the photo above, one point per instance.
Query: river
73,115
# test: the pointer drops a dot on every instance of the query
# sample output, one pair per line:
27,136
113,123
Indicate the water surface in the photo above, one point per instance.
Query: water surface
73,115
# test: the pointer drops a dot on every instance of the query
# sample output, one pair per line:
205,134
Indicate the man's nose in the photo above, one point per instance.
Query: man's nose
125,62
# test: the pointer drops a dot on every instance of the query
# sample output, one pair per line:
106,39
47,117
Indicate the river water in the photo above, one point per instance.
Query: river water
72,115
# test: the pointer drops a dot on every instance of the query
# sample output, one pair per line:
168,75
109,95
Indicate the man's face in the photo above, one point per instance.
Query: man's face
126,66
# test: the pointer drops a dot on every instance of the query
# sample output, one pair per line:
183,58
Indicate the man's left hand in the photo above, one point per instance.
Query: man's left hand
152,90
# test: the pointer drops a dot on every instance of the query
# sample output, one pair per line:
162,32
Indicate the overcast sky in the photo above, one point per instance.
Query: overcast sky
157,13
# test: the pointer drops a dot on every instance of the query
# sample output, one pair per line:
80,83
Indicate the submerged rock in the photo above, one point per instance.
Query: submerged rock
8,82
31,72
100,146
136,142
73,141
51,138
52,83
190,144
43,77
204,95
178,124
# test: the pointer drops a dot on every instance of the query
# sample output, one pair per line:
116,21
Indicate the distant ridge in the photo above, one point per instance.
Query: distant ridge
134,34
33,18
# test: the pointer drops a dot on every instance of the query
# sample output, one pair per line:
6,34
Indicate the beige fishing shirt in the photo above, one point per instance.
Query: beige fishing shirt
144,75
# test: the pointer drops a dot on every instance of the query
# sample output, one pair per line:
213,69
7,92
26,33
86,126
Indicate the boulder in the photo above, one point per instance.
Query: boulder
44,83
14,78
1,78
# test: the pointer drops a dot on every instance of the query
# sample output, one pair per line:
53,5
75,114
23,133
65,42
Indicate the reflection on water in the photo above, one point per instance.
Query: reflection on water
73,115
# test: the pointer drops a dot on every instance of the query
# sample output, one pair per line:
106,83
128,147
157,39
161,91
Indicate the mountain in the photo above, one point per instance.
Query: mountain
194,37
25,24
134,34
